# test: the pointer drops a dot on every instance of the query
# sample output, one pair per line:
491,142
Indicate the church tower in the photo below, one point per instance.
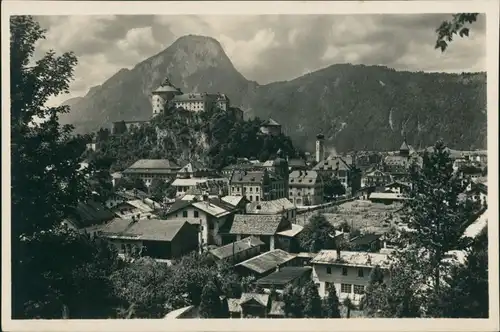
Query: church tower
404,150
320,148
163,94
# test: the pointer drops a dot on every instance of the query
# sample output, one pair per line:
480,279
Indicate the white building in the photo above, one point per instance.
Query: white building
163,94
349,271
320,148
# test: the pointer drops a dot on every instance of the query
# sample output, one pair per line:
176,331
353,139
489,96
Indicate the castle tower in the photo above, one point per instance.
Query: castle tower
281,168
320,148
163,94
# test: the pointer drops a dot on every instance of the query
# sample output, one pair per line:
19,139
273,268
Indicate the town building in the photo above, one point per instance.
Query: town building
195,169
305,188
149,169
366,243
238,202
216,186
238,251
281,206
348,271
259,185
228,170
270,127
155,238
342,168
320,148
285,276
212,216
376,178
197,102
297,164
386,197
265,227
136,209
255,305
265,263
88,216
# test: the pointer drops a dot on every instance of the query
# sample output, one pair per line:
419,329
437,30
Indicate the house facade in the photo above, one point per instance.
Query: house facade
348,271
270,127
376,178
305,188
161,239
149,169
341,168
211,215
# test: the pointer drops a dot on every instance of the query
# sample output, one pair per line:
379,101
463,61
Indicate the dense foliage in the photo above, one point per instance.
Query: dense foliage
214,137
331,303
317,234
423,282
458,25
55,272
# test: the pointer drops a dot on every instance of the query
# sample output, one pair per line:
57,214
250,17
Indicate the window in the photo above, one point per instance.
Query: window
251,188
359,289
250,198
360,273
257,189
328,270
184,214
344,271
196,214
257,198
327,286
346,288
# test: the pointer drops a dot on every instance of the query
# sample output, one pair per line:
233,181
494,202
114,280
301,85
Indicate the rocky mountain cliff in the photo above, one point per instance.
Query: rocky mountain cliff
355,106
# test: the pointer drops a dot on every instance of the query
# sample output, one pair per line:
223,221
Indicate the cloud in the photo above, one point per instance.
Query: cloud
264,48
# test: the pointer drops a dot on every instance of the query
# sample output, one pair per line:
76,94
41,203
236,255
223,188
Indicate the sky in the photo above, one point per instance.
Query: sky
264,48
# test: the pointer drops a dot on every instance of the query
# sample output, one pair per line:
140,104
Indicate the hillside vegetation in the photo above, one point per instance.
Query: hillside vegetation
214,137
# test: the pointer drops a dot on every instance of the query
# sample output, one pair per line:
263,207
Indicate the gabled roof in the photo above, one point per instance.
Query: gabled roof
145,229
351,258
90,213
404,146
293,232
256,224
236,247
284,276
156,164
267,261
366,239
262,299
192,167
275,206
178,205
271,123
248,177
333,163
233,200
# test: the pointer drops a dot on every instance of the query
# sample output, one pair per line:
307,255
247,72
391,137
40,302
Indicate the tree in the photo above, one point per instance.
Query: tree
312,300
294,306
65,269
405,294
333,187
139,184
210,305
370,300
433,209
349,306
45,180
331,304
316,234
466,292
143,285
158,189
458,25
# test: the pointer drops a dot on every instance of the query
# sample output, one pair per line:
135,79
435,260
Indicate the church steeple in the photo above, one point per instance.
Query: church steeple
404,150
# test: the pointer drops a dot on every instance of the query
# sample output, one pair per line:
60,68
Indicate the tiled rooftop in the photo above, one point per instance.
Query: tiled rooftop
351,258
236,247
270,207
267,261
155,164
146,229
255,224
284,276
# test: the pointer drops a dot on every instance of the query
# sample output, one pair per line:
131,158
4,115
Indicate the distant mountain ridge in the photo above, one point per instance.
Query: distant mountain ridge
355,106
